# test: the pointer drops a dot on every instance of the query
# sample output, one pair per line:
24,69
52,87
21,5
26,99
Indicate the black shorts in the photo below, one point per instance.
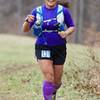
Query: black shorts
56,53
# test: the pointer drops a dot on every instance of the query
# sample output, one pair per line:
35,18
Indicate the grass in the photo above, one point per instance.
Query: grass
21,79
15,49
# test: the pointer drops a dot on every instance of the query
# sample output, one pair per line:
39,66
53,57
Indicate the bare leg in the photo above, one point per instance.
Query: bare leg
46,67
58,72
49,86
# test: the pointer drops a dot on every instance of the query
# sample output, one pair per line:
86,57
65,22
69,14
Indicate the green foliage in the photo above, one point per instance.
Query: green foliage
21,79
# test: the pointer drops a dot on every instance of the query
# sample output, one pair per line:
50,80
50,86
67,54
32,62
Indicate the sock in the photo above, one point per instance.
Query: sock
48,90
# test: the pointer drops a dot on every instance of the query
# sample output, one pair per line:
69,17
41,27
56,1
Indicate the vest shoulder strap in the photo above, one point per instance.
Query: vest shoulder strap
60,9
39,14
60,14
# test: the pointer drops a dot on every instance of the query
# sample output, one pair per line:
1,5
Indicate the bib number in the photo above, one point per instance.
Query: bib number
45,53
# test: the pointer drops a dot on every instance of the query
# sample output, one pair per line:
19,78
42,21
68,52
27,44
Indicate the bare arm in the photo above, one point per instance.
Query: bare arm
69,31
26,24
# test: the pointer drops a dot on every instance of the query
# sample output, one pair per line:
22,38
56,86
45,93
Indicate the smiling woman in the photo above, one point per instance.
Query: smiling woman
49,22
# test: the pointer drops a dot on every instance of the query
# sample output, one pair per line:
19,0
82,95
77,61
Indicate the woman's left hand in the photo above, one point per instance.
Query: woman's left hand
62,34
66,33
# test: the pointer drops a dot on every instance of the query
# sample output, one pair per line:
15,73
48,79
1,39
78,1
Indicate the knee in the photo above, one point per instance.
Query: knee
49,77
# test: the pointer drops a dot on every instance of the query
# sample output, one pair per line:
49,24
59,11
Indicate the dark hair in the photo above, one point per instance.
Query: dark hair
64,3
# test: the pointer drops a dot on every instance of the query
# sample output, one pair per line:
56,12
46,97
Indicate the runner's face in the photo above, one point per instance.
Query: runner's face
50,3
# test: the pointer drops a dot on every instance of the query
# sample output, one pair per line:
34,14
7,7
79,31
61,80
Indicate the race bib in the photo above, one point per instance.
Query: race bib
45,53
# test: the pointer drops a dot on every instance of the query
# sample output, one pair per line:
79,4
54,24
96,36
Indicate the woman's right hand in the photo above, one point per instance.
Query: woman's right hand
29,18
